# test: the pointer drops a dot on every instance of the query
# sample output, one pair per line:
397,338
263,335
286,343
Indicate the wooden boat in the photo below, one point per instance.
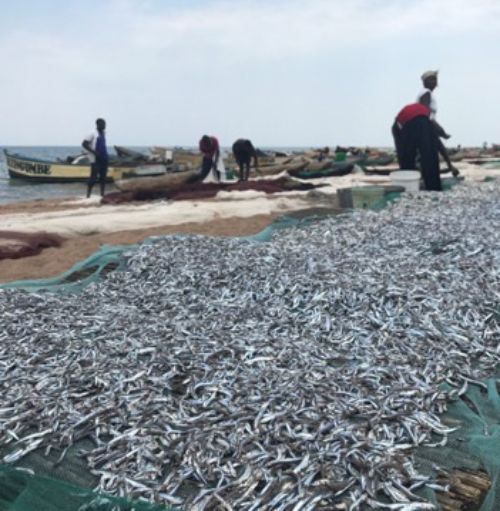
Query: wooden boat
126,153
156,183
185,159
46,171
315,166
355,160
157,155
483,161
336,169
378,161
374,171
272,170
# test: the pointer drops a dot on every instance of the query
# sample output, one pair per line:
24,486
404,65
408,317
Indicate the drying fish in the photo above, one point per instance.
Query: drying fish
296,374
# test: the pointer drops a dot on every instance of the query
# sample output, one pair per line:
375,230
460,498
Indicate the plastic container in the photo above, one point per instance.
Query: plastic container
408,179
367,197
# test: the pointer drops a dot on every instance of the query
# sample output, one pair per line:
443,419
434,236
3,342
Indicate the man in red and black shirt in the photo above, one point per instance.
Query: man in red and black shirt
414,134
209,148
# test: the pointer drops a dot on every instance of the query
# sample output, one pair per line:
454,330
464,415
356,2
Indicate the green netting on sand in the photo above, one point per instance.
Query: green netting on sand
107,258
476,443
21,491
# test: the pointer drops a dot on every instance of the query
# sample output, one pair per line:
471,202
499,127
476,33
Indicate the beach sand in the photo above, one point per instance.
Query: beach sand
53,261
86,225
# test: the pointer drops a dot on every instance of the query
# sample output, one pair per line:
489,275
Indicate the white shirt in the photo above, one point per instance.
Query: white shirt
92,140
432,104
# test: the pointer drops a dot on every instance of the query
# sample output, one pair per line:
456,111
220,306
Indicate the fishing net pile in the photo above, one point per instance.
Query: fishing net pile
300,373
14,245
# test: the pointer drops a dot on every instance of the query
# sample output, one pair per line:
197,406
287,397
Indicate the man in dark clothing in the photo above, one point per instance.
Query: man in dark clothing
95,146
244,151
209,148
414,134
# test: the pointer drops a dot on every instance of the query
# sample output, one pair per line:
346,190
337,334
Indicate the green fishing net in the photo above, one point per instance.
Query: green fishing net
476,443
107,258
21,491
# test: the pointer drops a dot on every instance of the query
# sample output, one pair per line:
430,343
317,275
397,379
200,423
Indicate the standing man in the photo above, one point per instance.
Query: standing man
414,134
209,148
244,151
426,97
95,146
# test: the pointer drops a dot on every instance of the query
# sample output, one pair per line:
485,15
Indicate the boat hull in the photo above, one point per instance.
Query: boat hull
40,171
335,170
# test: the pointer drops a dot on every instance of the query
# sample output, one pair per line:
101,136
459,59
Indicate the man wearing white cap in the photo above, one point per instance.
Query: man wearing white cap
425,97
430,82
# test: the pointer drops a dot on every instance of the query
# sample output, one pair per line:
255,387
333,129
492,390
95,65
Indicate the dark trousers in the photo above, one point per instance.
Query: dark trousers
418,137
98,173
243,152
244,166
396,135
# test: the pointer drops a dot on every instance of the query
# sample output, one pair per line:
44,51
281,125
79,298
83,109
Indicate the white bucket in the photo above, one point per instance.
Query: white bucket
408,179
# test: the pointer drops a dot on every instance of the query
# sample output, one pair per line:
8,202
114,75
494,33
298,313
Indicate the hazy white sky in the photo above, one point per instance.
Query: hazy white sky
281,72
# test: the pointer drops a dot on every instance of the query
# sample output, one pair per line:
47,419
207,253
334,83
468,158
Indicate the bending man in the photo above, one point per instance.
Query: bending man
209,148
244,151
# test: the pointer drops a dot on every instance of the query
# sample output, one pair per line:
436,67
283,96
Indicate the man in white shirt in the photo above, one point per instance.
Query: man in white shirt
95,146
426,97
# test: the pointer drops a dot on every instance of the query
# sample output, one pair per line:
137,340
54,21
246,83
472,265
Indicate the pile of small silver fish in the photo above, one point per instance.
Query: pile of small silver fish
296,374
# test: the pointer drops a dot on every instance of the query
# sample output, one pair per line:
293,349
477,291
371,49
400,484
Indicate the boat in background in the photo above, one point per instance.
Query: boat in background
334,169
75,169
130,154
178,159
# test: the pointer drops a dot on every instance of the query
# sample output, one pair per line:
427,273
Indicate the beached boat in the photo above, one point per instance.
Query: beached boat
126,153
336,169
46,171
273,170
378,161
183,159
157,182
375,171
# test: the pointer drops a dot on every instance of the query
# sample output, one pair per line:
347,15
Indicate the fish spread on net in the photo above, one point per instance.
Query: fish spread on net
295,374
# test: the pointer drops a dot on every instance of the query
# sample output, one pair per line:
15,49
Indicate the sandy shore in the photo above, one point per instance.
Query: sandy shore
53,261
86,225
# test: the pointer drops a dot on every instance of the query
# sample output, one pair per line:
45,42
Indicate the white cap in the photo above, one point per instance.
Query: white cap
429,74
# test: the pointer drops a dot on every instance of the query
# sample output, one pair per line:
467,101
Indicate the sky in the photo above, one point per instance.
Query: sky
280,72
